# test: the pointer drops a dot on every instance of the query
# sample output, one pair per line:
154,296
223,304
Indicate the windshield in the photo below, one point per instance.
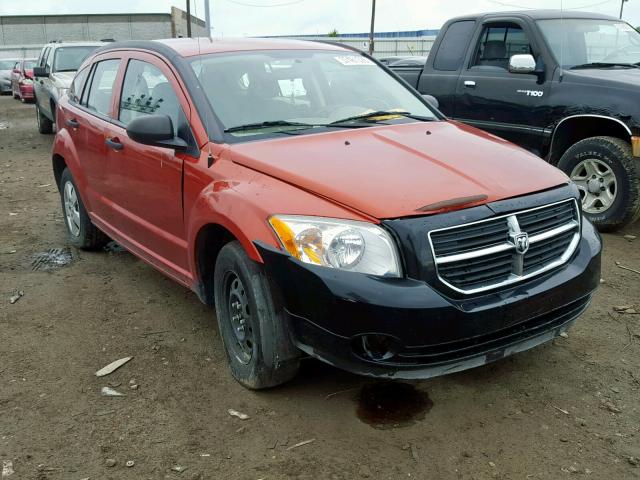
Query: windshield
69,59
7,64
578,42
300,87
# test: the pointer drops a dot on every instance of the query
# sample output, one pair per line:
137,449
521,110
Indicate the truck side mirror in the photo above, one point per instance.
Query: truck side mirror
40,71
431,100
522,64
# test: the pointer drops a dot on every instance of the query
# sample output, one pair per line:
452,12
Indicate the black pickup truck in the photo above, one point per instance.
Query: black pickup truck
565,86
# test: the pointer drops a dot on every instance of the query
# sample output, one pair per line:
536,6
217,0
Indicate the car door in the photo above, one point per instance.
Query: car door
87,121
490,97
145,182
15,77
38,84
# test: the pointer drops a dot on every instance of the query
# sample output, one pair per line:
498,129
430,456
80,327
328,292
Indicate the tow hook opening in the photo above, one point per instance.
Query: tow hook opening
375,346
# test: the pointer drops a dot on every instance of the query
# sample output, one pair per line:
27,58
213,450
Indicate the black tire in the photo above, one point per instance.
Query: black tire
84,234
45,126
616,154
262,354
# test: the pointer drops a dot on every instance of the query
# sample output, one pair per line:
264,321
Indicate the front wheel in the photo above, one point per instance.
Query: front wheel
253,330
45,126
608,177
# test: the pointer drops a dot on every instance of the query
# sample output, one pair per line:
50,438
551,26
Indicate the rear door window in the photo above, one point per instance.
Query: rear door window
101,88
453,46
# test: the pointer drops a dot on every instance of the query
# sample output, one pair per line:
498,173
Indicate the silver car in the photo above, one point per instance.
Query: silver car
54,72
6,67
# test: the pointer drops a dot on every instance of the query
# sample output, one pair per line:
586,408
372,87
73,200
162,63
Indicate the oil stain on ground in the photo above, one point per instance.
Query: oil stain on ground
389,404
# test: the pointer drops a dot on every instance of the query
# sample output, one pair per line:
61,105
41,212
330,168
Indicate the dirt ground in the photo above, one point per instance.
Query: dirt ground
567,409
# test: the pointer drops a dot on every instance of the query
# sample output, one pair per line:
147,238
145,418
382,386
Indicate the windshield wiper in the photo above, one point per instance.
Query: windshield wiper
382,113
285,123
606,65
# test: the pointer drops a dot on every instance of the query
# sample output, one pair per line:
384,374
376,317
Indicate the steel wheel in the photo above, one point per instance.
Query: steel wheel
71,209
597,184
239,317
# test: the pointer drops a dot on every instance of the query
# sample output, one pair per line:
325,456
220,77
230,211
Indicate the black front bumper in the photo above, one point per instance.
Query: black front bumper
431,332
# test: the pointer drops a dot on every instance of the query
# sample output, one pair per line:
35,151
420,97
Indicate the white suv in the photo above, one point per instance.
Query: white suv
54,71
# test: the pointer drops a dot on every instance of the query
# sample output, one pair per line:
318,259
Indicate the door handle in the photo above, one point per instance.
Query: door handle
469,83
114,143
73,123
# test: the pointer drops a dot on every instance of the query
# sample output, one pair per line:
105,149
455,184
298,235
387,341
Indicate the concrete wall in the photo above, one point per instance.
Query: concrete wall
179,24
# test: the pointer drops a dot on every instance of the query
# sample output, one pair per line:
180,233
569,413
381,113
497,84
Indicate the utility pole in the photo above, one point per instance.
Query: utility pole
189,18
622,7
373,21
207,18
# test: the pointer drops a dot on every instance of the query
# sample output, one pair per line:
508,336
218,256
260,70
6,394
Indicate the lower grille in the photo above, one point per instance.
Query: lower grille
503,250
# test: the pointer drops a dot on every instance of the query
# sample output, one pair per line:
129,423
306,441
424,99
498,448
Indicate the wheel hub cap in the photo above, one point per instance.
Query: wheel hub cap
597,184
71,209
239,318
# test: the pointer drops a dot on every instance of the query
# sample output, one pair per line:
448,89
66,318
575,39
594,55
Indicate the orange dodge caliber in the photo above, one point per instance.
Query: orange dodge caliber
322,205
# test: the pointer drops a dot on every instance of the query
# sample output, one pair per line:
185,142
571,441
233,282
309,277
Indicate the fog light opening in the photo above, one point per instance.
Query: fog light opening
376,347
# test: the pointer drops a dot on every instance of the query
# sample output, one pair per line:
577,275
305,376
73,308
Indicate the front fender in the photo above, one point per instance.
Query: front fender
63,146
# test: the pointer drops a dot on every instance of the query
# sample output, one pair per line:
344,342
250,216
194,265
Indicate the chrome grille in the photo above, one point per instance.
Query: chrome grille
503,250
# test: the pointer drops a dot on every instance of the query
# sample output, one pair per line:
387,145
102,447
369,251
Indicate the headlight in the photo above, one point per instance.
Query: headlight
344,244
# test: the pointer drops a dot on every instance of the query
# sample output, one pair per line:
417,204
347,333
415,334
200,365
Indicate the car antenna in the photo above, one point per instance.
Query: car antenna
210,157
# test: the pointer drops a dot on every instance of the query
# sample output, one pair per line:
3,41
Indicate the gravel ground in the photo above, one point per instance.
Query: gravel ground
568,409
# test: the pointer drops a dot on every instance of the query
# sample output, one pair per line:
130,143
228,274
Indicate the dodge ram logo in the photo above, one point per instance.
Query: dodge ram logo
521,242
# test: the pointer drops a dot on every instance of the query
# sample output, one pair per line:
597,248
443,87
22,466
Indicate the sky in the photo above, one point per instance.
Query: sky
283,17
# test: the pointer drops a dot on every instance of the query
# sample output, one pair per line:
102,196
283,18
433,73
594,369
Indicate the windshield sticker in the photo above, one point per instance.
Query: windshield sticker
353,60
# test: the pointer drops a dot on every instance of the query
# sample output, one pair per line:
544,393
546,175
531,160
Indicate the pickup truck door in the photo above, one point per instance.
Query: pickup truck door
489,97
146,181
39,87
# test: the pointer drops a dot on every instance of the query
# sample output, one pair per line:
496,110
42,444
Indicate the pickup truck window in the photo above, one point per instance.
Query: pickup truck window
498,43
584,41
453,45
69,59
75,92
299,86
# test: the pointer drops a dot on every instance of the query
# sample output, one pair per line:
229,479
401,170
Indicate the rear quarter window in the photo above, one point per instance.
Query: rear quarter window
454,45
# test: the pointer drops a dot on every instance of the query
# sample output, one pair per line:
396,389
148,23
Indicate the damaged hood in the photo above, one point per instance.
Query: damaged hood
394,171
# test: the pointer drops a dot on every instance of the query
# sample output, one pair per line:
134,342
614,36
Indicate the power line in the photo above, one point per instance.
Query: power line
246,4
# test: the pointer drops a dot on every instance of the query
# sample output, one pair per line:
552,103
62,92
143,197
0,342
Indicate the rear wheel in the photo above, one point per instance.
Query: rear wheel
45,126
81,232
608,177
251,323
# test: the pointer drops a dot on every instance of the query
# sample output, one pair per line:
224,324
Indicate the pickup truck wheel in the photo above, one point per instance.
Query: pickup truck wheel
81,232
608,177
251,324
45,126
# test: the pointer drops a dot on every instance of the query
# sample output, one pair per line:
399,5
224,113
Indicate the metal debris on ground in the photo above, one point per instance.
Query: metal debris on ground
112,367
631,238
564,334
561,410
628,309
179,468
110,392
130,463
240,415
619,265
7,468
300,444
16,296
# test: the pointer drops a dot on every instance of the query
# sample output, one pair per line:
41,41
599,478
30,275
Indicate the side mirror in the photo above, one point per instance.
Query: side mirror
522,64
40,71
431,100
155,130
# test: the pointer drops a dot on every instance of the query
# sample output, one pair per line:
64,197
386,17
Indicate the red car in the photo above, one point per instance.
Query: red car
22,79
322,205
